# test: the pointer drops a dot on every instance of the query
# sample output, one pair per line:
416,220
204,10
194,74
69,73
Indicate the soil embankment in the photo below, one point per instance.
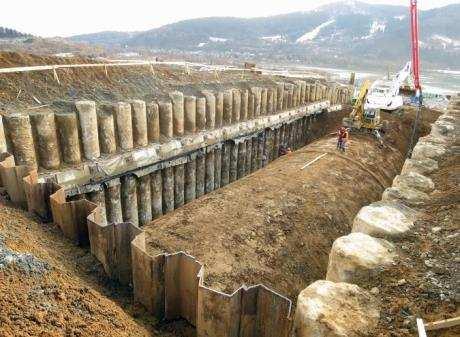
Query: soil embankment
30,90
277,225
50,287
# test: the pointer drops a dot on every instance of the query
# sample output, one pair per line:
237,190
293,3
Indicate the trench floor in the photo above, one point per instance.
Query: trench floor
275,226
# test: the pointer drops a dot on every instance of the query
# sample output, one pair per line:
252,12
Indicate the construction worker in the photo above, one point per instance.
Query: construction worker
342,138
284,150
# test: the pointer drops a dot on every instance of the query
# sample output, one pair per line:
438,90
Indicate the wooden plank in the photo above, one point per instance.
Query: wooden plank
421,328
313,161
443,324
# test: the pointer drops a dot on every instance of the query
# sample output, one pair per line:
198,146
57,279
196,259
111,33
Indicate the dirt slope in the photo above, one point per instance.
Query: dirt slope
59,290
17,90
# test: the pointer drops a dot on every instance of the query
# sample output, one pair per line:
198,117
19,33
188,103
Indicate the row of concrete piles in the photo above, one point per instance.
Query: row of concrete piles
55,140
140,198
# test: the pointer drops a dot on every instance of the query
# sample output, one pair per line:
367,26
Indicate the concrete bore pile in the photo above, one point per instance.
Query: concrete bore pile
141,180
338,305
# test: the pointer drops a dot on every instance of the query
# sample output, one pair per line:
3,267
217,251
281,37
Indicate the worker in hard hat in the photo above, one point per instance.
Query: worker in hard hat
342,138
284,150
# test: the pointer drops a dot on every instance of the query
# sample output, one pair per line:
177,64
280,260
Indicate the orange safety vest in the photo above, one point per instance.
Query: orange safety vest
343,134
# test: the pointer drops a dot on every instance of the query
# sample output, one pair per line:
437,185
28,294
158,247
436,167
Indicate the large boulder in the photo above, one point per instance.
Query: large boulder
435,138
358,257
428,150
328,309
421,166
446,118
384,220
414,180
444,126
405,195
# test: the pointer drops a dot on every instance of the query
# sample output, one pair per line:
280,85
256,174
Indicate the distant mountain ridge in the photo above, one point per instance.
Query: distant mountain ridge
347,32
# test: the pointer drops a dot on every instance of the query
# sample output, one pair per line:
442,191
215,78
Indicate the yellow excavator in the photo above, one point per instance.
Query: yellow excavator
362,119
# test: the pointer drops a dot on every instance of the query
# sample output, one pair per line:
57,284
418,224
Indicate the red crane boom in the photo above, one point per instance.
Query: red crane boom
415,70
415,46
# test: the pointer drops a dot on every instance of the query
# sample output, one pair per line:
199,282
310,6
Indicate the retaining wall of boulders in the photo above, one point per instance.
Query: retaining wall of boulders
338,306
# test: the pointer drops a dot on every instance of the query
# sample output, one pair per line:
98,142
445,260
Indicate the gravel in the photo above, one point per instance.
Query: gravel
26,263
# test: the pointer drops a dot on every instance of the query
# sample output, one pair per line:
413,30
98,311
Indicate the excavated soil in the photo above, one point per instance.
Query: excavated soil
25,91
50,287
56,289
276,226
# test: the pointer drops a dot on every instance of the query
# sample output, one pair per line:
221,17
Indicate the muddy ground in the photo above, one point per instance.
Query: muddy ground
25,91
276,226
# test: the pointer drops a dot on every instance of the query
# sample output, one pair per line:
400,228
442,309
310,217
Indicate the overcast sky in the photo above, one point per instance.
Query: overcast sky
65,18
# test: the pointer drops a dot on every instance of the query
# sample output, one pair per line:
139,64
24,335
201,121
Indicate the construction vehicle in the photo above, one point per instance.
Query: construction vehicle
384,94
362,117
366,113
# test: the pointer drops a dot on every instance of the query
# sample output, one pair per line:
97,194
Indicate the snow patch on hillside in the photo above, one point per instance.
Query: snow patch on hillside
311,35
274,38
445,41
217,39
450,72
376,27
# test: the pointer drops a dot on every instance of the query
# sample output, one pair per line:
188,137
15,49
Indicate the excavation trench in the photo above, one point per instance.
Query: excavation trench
276,226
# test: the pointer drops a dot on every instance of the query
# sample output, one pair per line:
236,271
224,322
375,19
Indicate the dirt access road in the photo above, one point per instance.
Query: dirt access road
276,226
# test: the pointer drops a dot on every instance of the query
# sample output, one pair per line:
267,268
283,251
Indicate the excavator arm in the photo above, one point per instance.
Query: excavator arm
356,118
358,108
